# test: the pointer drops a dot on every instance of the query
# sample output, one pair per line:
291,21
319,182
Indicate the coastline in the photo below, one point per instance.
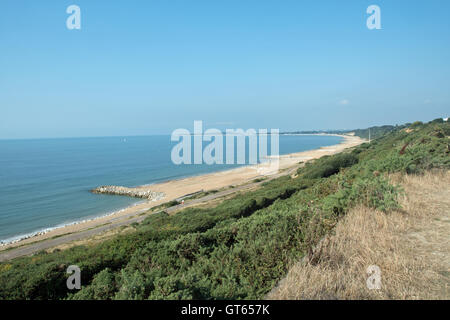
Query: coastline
174,189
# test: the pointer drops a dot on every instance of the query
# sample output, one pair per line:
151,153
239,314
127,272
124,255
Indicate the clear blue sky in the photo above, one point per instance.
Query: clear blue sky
149,67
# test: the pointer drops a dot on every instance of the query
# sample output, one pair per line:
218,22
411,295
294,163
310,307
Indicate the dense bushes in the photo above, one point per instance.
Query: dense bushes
242,247
372,192
44,277
328,165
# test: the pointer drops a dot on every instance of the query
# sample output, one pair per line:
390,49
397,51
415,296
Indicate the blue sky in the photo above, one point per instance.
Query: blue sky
149,67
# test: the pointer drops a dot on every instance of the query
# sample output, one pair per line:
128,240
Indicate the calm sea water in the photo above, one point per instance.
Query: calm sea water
45,183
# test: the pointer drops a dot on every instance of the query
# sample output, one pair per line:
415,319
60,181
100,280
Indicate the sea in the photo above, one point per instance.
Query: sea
46,183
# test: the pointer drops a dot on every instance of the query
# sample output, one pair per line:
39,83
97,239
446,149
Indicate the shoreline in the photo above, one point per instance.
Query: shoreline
176,188
41,232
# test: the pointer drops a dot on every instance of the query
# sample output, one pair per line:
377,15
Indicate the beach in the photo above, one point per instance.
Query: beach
175,189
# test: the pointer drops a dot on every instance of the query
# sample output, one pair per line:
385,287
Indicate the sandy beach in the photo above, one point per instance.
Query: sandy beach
178,188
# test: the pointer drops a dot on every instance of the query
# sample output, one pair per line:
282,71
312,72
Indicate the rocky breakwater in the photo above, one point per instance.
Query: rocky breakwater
130,192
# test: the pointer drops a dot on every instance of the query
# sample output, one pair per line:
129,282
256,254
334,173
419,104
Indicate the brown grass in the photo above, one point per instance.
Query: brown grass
410,246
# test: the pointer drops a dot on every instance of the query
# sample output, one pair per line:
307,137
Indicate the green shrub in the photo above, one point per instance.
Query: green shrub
375,193
416,124
437,120
328,166
103,287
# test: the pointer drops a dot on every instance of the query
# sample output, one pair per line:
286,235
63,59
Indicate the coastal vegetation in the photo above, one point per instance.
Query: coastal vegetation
408,246
242,247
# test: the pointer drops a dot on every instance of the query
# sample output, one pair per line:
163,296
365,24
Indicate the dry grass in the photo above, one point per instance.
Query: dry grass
410,246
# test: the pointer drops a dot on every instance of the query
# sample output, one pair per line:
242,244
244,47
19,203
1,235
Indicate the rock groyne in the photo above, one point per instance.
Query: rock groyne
130,192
